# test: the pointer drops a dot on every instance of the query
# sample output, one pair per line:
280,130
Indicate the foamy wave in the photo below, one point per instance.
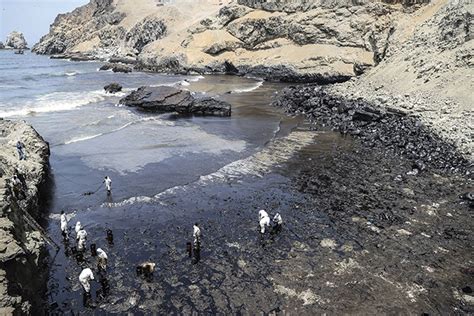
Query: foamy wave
146,119
80,139
243,90
195,79
70,74
55,102
171,84
262,162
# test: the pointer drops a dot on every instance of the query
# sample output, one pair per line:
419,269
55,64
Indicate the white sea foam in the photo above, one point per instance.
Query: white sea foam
258,164
195,79
83,138
146,119
55,102
70,74
257,85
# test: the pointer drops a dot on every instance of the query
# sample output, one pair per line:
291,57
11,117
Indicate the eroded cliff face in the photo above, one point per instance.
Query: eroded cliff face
22,248
323,41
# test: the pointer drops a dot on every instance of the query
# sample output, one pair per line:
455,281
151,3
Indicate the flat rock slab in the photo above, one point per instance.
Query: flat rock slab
170,99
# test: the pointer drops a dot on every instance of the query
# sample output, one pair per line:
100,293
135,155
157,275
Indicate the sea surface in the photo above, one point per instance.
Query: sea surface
166,169
91,135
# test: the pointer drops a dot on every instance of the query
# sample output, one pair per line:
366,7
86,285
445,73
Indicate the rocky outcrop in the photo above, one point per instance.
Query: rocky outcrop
22,249
425,73
116,67
144,32
324,41
113,88
422,77
2,46
376,126
170,99
16,40
77,27
210,106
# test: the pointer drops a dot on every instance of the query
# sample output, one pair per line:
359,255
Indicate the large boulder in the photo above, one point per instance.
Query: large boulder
210,106
2,46
170,99
16,40
159,99
113,88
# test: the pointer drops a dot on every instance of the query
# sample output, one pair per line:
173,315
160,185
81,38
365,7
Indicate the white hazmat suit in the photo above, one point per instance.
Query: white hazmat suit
81,239
277,219
63,223
108,184
196,234
85,276
78,227
102,258
264,220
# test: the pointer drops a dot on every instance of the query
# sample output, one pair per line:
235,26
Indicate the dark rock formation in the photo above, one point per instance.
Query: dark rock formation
210,106
116,67
22,248
170,99
113,88
2,46
390,129
16,40
159,99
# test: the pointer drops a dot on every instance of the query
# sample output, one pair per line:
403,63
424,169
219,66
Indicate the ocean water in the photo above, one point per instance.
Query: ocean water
164,167
91,135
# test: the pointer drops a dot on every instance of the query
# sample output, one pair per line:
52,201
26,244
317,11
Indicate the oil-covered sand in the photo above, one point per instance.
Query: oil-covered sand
356,238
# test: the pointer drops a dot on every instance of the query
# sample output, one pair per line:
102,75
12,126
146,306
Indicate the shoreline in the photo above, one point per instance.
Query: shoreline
339,89
23,248
370,220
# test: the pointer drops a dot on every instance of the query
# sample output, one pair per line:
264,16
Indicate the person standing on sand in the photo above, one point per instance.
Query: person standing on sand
20,148
197,235
108,184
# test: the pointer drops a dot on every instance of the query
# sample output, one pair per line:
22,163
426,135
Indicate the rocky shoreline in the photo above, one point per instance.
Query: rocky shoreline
384,127
23,249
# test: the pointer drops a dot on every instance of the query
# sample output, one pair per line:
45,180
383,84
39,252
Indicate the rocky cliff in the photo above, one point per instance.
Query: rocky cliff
16,40
22,249
325,41
427,72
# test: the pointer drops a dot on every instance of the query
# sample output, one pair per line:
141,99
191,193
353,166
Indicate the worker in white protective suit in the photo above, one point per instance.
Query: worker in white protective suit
78,227
85,277
277,222
101,259
264,220
108,184
196,234
81,239
64,224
